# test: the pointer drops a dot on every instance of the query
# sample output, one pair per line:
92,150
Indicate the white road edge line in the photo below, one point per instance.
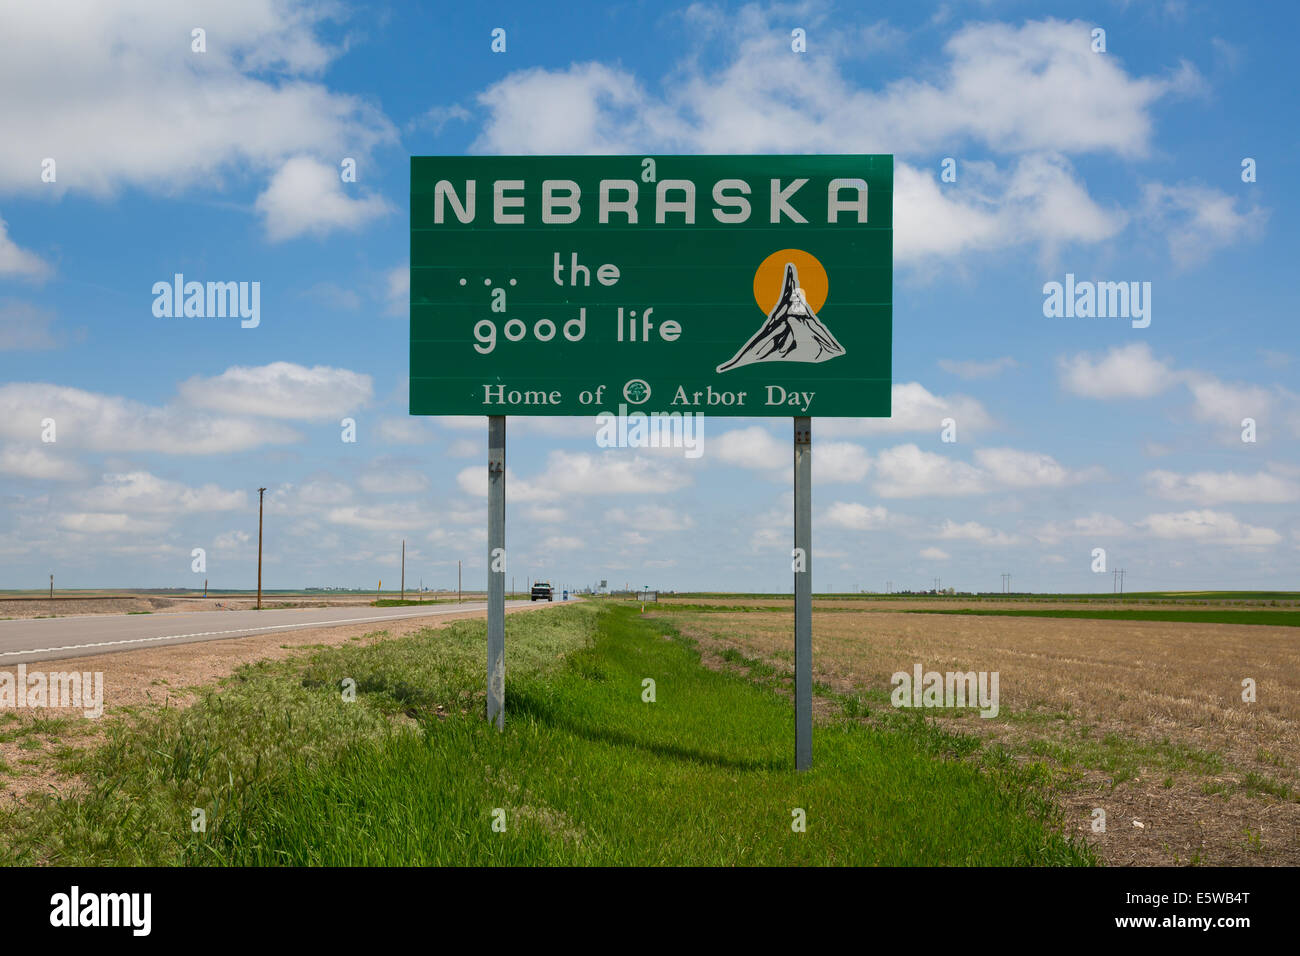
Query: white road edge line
238,630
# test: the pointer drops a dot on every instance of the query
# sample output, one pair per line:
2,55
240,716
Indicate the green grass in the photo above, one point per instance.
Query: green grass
589,773
160,764
585,773
1271,618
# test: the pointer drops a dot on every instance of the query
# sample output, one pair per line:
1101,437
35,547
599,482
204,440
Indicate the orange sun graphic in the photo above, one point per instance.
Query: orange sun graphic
770,276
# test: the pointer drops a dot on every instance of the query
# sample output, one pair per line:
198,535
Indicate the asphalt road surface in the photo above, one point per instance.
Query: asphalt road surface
54,638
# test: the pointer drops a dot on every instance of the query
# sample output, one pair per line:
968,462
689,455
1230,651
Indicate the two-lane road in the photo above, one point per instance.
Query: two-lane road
54,638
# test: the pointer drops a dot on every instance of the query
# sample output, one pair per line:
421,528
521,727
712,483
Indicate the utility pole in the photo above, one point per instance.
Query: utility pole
403,569
261,493
51,585
457,582
1121,580
1114,582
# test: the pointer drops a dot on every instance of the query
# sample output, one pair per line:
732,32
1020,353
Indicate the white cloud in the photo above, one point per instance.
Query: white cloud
757,448
403,431
309,497
16,262
387,480
109,423
570,475
561,543
1213,488
1022,469
306,197
1127,371
855,516
390,516
914,408
837,461
1039,200
108,523
397,290
651,517
1197,220
139,492
976,369
974,531
545,514
1221,403
905,471
754,447
230,541
935,554
1208,526
124,102
1095,525
37,462
1036,89
281,390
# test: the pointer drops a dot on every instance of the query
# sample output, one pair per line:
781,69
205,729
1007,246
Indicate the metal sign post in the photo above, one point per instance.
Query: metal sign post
802,593
496,610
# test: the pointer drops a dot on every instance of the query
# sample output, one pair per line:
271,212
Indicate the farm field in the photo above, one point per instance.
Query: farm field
1143,719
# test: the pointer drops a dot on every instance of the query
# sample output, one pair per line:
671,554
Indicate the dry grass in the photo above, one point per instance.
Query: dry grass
1142,719
34,744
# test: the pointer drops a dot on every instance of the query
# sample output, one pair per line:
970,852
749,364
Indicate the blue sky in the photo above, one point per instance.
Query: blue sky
1072,433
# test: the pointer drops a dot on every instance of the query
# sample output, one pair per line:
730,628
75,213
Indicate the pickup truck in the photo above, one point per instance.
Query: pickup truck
542,592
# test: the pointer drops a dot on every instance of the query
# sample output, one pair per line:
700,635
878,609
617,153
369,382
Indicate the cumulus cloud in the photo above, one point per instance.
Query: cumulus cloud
914,409
935,554
1095,525
139,492
306,197
1197,220
570,475
1222,487
905,471
1012,468
18,263
404,431
108,523
111,423
1211,527
1131,371
974,531
124,102
281,390
651,518
39,463
855,516
389,480
1125,371
1035,90
754,447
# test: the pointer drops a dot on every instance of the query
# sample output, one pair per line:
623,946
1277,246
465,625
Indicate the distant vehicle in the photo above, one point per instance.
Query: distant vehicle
542,591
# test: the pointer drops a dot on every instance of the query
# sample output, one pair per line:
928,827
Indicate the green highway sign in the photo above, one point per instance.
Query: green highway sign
729,285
